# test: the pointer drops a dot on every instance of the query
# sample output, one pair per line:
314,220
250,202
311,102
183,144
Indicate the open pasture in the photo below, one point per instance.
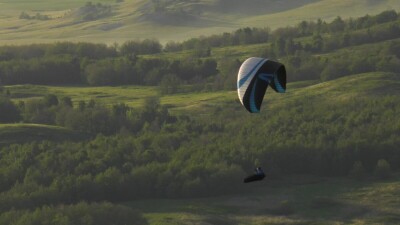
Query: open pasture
130,19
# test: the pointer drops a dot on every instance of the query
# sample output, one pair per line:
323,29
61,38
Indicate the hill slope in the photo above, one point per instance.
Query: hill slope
295,200
312,129
170,20
25,133
367,84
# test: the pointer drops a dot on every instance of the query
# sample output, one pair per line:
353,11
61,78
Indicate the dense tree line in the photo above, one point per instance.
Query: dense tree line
239,37
90,117
317,43
149,71
200,156
147,152
297,46
305,28
382,57
67,63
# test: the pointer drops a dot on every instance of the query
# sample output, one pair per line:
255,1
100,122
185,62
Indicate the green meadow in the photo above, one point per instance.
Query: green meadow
293,200
131,19
299,199
179,158
342,88
133,96
338,91
26,133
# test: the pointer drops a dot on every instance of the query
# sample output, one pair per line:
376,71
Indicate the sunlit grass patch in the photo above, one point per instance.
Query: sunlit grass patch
129,17
340,90
24,133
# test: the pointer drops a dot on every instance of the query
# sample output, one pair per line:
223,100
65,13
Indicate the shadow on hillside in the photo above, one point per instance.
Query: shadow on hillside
257,7
197,13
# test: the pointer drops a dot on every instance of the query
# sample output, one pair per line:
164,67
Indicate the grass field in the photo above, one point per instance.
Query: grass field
127,20
294,200
25,133
133,96
335,90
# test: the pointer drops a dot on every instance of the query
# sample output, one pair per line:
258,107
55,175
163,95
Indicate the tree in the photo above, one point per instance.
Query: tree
337,25
147,46
150,108
386,16
382,169
278,47
1,88
169,84
66,101
303,27
50,100
289,46
317,42
100,73
9,113
357,171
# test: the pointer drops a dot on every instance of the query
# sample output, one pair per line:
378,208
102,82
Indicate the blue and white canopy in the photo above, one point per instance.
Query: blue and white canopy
255,75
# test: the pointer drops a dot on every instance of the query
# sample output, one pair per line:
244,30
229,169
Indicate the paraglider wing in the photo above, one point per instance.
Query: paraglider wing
255,177
255,75
258,175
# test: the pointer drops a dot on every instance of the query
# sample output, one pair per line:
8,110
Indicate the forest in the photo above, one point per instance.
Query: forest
150,152
68,63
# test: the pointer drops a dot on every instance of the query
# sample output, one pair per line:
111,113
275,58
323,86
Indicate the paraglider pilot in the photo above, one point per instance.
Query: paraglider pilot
258,175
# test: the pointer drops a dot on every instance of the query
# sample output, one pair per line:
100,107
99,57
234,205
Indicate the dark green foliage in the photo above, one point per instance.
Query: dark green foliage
88,117
9,113
38,16
37,111
99,64
305,28
202,51
47,70
93,11
66,101
157,155
358,171
386,16
148,153
146,46
50,100
225,80
382,169
108,72
169,84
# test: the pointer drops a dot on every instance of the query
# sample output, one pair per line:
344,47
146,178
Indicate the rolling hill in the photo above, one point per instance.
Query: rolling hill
25,133
375,83
316,127
295,200
348,107
117,21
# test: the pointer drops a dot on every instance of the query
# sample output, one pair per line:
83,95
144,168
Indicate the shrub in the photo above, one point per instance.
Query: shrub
357,171
382,169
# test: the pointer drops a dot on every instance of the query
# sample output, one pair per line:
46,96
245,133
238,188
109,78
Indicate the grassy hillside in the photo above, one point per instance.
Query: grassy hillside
315,128
131,95
296,200
351,86
173,20
25,133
